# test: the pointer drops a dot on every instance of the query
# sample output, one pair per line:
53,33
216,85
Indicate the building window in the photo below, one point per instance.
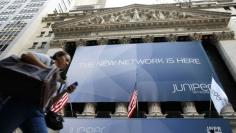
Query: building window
42,45
47,25
19,1
227,8
35,4
41,34
8,12
4,47
34,45
3,18
49,34
14,6
4,2
20,17
31,10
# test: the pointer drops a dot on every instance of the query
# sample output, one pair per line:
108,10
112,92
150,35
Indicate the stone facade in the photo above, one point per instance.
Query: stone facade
147,23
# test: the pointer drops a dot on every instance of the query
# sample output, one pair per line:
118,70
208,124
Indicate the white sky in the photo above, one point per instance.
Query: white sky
119,3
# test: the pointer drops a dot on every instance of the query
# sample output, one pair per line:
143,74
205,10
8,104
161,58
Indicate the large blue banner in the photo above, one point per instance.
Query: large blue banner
75,125
172,71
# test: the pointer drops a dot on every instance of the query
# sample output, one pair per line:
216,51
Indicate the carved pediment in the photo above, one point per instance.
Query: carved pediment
140,16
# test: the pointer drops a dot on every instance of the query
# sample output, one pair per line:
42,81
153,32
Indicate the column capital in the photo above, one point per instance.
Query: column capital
154,110
121,110
125,40
102,41
80,42
148,38
57,44
172,37
196,36
225,35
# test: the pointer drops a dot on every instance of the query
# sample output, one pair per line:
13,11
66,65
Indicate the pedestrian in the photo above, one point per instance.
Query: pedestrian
28,117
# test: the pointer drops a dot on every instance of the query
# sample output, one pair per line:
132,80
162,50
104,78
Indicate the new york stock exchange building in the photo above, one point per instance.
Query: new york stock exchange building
168,54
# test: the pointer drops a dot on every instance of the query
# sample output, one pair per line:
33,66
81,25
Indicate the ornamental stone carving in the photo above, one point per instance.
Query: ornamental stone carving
196,36
138,15
112,19
102,41
133,19
80,42
223,35
57,44
148,38
125,40
171,38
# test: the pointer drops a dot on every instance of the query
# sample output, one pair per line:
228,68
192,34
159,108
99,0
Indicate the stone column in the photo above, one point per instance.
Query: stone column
121,110
17,131
227,50
89,111
154,110
188,108
228,112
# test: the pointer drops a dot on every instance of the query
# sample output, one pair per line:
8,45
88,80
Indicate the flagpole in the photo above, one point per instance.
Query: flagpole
137,101
210,107
137,90
210,99
71,109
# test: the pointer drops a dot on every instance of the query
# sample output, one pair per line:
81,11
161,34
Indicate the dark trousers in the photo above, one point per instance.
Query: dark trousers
14,114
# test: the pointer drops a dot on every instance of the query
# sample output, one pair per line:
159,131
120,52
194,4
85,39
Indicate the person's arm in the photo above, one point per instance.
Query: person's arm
69,90
31,59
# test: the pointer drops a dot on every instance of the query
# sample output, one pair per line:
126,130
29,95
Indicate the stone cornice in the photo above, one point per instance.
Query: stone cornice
193,24
136,17
220,35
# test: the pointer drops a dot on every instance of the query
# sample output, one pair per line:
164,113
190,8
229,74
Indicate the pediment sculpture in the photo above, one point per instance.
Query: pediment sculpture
139,15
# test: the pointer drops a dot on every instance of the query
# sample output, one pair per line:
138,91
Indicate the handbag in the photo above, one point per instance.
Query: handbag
27,82
54,120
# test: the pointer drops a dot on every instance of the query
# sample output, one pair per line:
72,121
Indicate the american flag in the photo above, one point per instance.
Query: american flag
58,106
132,103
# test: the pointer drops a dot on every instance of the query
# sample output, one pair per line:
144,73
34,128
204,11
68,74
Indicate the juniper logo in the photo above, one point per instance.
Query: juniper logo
214,129
194,88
